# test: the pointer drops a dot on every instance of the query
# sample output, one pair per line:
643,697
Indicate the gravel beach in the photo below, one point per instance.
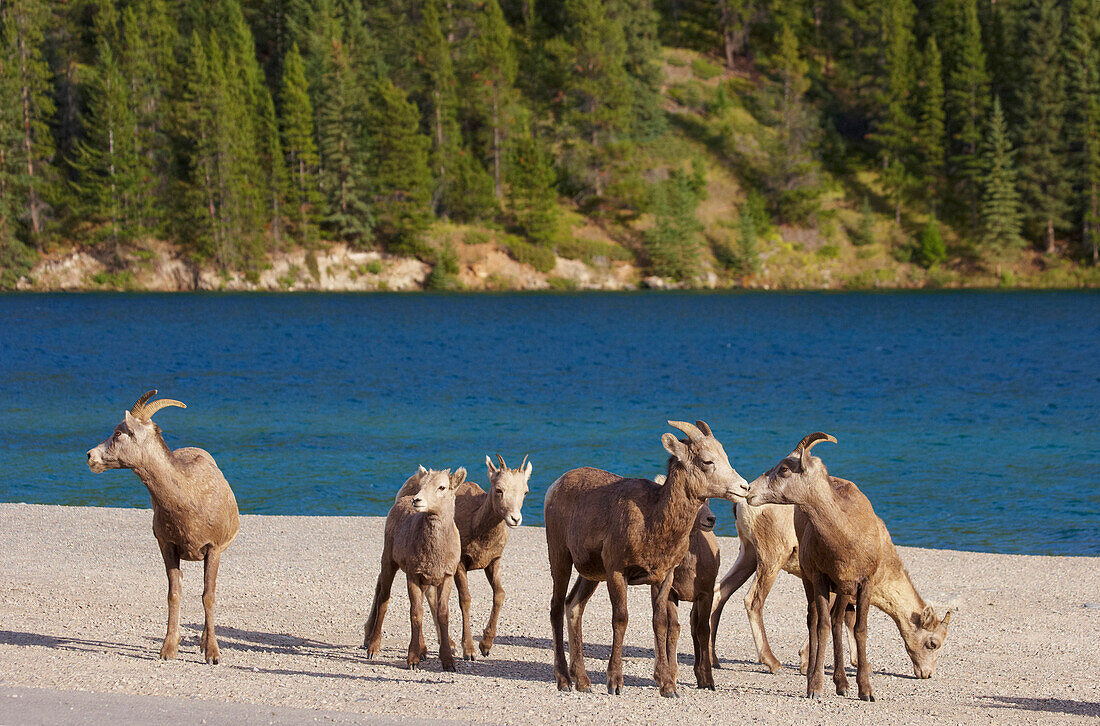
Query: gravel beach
83,610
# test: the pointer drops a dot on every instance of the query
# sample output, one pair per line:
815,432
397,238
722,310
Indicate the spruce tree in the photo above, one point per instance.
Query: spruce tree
299,148
109,164
398,165
895,129
13,254
931,250
440,84
1042,161
930,129
1000,210
497,63
967,106
532,200
1083,131
597,89
674,242
273,166
197,185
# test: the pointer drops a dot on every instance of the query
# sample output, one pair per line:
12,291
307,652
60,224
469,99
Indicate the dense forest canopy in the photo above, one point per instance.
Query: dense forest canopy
237,127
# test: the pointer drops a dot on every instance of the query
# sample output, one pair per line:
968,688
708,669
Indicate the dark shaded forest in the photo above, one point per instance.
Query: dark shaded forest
945,131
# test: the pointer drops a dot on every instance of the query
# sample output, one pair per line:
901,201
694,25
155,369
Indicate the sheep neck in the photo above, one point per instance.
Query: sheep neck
486,516
897,597
677,507
158,472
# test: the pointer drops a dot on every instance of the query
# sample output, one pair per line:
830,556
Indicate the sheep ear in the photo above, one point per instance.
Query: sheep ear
527,470
928,618
131,420
675,447
420,471
489,465
458,477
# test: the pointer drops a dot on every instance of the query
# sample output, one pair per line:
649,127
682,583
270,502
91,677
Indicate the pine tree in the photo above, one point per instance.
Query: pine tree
299,148
532,201
111,173
399,168
31,176
273,167
674,242
597,89
930,130
13,254
931,250
1042,157
895,129
193,127
497,62
1083,81
1000,210
440,84
967,106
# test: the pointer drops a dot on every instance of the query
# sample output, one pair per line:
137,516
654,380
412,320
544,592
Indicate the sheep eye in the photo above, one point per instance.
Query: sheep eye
500,492
708,463
441,488
931,645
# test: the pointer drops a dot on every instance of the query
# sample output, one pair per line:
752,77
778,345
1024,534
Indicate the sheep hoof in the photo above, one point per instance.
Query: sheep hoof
469,656
867,697
449,667
614,690
484,649
841,691
812,695
773,666
564,684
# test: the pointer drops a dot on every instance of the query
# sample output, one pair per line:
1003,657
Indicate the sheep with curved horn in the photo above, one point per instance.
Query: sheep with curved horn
628,532
195,514
843,548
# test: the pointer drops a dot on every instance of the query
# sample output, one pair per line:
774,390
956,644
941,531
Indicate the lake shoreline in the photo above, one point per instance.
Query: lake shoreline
83,609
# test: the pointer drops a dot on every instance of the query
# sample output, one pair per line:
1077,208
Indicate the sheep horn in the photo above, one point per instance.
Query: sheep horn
135,410
813,440
523,464
692,431
501,460
149,409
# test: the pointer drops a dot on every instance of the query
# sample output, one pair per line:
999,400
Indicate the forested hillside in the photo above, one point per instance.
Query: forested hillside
792,143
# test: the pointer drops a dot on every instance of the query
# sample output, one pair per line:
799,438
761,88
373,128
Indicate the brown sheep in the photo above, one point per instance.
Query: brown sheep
195,515
422,540
628,532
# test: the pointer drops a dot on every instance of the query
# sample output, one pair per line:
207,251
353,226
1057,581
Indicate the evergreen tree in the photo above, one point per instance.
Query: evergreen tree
197,154
895,128
13,254
1000,211
273,167
109,163
931,250
930,131
1083,64
1041,160
967,106
30,174
497,62
399,169
674,242
299,148
439,80
641,61
532,201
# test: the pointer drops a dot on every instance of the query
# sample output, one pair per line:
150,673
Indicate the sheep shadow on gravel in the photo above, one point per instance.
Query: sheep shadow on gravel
600,651
1047,705
79,645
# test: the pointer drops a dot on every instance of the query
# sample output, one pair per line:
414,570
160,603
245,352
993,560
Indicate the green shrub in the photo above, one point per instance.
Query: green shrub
476,237
541,258
123,280
829,251
863,233
562,284
374,267
703,68
689,95
291,276
931,250
591,250
312,266
677,60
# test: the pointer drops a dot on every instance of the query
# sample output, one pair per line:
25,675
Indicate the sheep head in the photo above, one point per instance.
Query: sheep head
795,474
507,488
924,641
127,446
709,471
435,490
705,520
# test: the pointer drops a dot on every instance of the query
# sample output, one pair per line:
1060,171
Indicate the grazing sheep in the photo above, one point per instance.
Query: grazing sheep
843,547
628,532
769,544
194,512
422,540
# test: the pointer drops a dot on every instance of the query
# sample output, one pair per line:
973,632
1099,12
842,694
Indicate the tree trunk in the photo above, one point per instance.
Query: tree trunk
28,148
496,144
1050,236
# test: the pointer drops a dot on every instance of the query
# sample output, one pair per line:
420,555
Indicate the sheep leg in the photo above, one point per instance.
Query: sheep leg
209,643
766,572
492,574
700,636
416,619
462,585
574,611
616,591
863,669
819,637
440,602
171,556
672,639
664,672
429,595
372,630
561,565
740,572
850,622
840,678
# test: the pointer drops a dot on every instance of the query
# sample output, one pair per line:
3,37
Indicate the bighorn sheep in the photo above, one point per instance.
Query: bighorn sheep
843,547
194,512
484,519
628,532
769,544
421,539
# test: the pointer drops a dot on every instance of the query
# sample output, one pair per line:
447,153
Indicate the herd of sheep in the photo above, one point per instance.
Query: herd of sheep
608,528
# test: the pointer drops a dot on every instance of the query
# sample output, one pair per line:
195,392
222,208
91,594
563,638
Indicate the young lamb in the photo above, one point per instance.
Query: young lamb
769,544
693,581
843,547
628,532
194,512
422,540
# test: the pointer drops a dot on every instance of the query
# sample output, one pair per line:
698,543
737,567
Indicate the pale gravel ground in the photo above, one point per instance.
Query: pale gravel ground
83,609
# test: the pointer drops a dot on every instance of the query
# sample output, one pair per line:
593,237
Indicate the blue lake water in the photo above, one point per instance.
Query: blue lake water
970,419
